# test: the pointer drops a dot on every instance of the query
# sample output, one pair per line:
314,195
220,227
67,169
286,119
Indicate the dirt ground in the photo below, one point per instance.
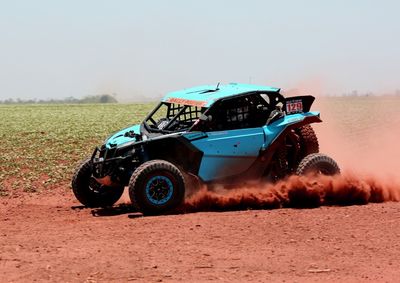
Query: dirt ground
50,238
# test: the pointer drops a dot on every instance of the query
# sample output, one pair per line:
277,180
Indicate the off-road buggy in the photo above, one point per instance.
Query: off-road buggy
214,134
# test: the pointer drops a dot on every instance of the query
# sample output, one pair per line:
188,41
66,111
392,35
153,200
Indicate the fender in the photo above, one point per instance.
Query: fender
275,137
278,129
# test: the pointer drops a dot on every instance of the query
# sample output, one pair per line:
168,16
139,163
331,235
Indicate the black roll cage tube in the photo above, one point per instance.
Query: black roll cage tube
149,117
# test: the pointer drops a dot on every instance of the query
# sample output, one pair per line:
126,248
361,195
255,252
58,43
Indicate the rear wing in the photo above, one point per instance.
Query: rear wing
298,104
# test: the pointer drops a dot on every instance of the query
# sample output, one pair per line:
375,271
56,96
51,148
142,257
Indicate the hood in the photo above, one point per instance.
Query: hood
121,137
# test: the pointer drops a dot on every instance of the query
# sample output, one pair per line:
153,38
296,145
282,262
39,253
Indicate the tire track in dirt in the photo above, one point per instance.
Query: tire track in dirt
50,239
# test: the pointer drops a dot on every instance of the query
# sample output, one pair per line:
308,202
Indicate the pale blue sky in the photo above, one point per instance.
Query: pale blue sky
55,49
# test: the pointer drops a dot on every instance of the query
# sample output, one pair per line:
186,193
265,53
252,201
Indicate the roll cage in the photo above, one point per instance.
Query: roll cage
246,110
169,117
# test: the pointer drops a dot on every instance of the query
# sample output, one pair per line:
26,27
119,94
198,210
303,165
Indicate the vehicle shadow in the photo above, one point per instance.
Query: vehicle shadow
133,213
126,209
115,211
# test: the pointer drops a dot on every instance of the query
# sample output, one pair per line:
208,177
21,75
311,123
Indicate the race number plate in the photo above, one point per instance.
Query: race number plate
294,106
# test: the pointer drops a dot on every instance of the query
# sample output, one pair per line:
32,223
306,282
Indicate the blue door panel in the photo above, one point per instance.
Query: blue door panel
228,153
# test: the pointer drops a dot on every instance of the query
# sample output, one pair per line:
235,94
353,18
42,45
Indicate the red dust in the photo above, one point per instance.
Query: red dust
361,134
296,192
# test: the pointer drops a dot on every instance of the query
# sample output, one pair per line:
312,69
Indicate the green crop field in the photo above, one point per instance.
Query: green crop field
41,144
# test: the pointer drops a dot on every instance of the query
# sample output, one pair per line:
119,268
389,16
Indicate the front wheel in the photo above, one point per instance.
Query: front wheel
89,192
318,163
156,187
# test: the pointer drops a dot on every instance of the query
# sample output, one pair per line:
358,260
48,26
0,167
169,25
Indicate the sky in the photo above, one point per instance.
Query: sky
136,49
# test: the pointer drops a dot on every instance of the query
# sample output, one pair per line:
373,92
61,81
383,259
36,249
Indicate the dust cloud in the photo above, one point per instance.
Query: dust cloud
361,133
296,192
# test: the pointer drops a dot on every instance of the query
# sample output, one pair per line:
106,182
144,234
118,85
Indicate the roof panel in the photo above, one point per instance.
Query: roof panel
205,96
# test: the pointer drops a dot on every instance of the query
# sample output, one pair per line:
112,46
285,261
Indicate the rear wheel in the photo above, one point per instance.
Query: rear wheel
156,187
89,192
308,141
318,163
299,143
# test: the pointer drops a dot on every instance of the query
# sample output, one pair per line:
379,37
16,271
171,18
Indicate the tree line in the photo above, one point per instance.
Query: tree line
101,98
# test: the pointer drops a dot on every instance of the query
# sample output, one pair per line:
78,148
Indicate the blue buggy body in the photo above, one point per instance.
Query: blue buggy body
213,134
228,153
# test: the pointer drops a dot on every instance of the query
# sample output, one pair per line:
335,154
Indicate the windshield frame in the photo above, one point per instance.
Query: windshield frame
153,127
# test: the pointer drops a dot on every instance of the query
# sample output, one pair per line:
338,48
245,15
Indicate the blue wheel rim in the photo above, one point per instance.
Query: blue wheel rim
159,190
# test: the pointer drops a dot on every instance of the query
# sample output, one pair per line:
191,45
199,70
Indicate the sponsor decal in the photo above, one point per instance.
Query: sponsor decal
294,106
183,101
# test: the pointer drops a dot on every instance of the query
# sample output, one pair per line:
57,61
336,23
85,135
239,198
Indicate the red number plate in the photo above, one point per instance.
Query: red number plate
294,106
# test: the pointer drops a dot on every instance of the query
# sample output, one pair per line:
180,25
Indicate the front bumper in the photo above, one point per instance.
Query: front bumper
104,161
113,166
